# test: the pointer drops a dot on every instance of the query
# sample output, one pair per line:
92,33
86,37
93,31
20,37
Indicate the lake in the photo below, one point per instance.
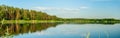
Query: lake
54,30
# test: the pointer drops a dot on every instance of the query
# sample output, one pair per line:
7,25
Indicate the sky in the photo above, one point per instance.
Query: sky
71,8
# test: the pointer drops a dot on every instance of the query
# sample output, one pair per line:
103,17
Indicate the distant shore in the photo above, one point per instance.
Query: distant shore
59,21
29,21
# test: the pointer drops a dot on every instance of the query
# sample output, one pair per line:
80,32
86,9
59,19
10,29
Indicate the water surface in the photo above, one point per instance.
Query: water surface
51,30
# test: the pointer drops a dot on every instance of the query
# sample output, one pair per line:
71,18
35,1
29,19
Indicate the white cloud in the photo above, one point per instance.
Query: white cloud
59,9
53,8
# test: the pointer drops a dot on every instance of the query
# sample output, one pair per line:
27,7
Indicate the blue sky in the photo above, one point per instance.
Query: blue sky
71,8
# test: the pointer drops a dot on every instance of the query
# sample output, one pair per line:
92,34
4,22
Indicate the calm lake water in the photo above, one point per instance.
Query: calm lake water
51,30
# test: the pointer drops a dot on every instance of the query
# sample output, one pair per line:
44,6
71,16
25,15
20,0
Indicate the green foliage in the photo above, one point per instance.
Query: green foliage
13,13
91,21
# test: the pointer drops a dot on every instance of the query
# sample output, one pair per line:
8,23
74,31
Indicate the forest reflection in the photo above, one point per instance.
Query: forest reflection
15,29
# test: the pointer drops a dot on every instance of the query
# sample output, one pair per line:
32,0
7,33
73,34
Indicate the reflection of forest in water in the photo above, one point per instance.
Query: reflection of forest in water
14,29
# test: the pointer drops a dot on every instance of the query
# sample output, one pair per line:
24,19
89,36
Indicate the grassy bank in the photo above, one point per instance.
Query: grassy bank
58,21
29,21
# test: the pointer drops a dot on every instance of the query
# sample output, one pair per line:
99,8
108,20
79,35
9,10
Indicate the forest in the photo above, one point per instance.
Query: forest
20,15
14,13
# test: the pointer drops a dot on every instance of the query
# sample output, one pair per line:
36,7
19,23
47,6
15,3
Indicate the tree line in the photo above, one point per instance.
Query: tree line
14,13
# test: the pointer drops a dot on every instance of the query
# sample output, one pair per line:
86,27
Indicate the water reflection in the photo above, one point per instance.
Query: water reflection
15,29
37,30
